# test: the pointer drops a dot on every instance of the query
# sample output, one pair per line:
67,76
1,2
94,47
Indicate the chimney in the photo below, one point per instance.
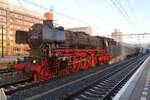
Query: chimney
48,16
49,19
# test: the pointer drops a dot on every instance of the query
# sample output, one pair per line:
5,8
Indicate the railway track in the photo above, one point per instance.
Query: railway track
11,78
106,87
81,88
5,75
16,86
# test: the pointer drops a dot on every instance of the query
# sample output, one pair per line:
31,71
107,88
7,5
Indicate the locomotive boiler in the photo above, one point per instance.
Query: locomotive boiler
56,52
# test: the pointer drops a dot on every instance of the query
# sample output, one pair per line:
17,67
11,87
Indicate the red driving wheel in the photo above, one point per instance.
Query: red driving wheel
63,72
46,74
75,67
85,65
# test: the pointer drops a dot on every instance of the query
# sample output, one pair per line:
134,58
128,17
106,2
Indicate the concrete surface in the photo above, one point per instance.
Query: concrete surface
138,86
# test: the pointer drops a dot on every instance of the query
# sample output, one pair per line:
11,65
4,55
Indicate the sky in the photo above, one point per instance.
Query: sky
101,15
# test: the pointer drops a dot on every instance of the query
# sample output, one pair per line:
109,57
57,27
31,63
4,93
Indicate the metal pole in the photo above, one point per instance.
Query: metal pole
2,41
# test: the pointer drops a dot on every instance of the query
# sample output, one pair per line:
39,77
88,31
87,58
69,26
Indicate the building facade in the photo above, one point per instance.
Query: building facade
87,30
15,18
117,35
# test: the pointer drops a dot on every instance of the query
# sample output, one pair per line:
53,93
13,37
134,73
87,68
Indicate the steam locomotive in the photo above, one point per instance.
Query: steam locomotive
56,52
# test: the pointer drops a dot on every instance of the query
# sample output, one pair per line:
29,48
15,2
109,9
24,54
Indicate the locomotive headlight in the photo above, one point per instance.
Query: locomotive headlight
16,60
34,61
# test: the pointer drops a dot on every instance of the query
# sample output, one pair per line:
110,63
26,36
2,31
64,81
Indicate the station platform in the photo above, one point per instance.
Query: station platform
9,58
138,86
